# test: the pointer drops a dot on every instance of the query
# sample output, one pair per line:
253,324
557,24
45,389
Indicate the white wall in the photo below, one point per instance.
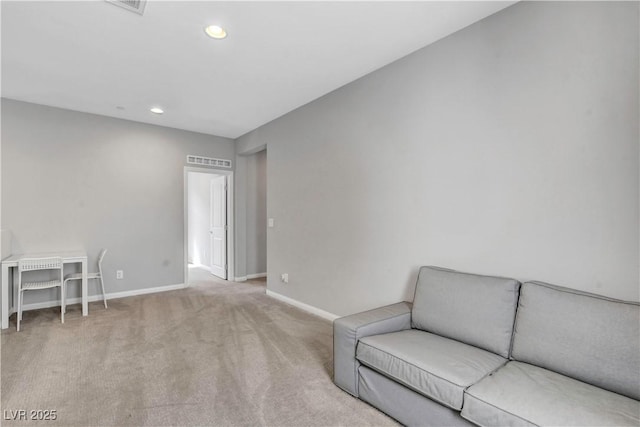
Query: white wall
256,213
73,180
508,148
199,201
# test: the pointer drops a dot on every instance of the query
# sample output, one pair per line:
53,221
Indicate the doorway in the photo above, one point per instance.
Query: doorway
256,220
208,222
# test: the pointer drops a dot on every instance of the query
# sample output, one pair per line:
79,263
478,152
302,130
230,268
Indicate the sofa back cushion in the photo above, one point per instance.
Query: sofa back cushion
585,336
476,310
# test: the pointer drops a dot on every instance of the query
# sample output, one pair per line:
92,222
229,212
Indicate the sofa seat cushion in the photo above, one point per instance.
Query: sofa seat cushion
434,366
523,394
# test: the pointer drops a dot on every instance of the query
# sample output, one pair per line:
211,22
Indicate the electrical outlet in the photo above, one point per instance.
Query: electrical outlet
119,274
284,277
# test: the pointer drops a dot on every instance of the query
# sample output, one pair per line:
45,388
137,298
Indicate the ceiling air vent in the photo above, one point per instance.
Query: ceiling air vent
208,161
136,6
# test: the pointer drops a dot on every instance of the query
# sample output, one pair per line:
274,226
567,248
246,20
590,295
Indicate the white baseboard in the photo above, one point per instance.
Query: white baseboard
306,307
98,297
240,279
143,291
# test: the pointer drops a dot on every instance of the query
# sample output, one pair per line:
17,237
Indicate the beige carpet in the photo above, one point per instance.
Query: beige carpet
217,353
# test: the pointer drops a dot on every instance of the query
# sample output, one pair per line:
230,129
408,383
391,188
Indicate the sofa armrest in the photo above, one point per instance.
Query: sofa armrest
349,329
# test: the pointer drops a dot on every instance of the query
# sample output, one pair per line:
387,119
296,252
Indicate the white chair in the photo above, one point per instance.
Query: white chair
38,264
78,276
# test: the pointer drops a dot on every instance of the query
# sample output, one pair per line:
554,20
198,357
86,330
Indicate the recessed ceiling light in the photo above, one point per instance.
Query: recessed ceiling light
215,32
156,110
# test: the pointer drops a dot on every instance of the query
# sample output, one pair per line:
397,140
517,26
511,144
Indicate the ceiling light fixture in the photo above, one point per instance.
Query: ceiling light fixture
156,110
215,32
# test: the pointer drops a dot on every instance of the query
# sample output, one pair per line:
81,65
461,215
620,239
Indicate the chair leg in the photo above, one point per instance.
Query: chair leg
64,296
104,296
62,303
19,316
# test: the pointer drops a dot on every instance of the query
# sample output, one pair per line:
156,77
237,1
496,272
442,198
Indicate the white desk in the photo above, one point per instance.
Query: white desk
67,258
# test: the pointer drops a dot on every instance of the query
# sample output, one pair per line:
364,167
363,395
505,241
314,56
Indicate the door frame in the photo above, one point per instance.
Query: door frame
230,210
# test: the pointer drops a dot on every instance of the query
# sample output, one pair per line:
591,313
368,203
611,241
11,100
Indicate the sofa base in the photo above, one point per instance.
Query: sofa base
405,405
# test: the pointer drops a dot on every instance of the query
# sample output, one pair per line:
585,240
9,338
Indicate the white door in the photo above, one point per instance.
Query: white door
218,228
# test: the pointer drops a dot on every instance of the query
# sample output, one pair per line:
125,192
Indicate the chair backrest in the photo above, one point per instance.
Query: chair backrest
100,258
34,264
30,264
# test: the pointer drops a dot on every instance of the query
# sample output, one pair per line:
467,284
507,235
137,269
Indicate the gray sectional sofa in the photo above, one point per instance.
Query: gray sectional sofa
488,351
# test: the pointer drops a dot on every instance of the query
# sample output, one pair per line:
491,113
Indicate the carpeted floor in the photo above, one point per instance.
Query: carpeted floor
217,353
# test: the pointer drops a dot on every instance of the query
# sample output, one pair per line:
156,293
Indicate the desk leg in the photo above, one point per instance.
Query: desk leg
85,297
5,296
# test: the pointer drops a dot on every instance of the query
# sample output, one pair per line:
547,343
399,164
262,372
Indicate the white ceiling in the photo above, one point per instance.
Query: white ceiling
93,56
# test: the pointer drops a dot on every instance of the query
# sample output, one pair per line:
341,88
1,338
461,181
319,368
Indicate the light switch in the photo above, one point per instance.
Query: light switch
270,222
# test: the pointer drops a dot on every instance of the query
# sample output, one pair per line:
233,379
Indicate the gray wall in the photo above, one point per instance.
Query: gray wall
256,213
73,180
508,148
240,217
250,213
5,235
